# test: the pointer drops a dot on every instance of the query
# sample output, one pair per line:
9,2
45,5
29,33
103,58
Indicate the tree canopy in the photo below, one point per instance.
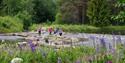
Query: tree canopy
91,12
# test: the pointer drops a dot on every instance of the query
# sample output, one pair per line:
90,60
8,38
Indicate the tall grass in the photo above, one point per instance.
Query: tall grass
51,55
43,54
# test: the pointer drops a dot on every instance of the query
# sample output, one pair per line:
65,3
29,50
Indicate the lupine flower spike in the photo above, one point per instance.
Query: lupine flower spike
32,46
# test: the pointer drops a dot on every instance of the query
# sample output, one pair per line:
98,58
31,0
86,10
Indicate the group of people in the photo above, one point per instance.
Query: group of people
51,31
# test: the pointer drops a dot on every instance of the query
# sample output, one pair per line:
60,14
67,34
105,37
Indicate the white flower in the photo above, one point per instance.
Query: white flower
3,40
16,60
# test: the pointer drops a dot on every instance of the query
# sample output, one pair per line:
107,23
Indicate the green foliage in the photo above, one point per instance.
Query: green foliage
22,9
44,10
119,18
64,12
26,18
12,7
98,12
10,24
58,18
71,11
113,29
122,1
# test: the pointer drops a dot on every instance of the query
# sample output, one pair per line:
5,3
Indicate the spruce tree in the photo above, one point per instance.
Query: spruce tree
98,12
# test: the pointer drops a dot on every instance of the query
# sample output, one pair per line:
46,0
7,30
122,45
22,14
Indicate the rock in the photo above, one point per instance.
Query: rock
22,43
17,60
74,39
82,39
35,43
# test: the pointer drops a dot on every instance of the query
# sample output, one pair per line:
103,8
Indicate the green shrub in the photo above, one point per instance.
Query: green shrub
26,19
10,24
58,18
113,29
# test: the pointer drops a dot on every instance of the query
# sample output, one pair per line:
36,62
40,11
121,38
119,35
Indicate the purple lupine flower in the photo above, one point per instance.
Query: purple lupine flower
113,50
78,61
97,49
109,61
92,37
110,46
32,46
59,60
103,42
119,39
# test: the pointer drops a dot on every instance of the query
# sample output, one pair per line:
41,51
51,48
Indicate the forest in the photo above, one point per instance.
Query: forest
20,15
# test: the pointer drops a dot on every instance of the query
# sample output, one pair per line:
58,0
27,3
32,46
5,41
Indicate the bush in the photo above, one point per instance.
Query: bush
58,18
26,19
113,29
10,24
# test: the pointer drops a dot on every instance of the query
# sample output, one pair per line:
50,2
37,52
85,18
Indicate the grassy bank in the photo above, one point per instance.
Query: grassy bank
85,28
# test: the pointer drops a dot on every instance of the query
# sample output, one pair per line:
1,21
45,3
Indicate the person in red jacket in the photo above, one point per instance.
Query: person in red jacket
50,30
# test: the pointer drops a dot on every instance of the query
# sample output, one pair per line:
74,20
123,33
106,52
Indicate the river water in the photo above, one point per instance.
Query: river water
10,37
109,38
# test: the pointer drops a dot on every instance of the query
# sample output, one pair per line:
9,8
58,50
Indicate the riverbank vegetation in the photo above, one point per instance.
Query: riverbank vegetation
83,28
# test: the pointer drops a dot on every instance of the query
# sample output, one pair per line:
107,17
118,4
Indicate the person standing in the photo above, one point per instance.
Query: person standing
60,32
39,31
50,30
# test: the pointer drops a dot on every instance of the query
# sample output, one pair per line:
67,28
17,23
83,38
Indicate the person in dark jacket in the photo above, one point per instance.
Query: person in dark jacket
56,30
60,32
